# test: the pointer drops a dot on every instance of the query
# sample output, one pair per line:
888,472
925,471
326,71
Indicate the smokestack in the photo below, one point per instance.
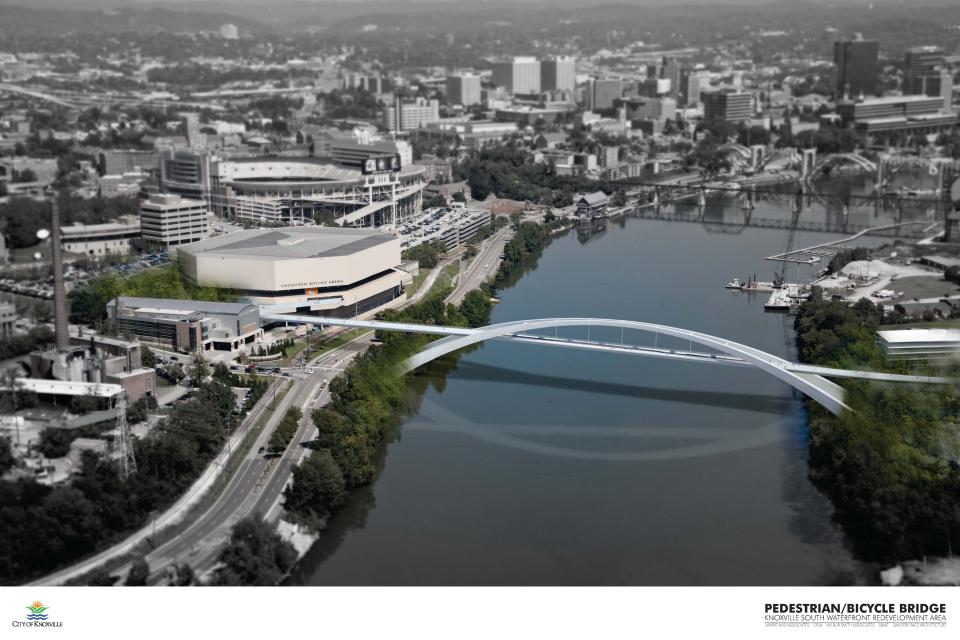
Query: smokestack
59,292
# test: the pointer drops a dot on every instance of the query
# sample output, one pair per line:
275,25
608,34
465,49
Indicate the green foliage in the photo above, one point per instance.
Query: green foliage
889,466
55,443
19,345
318,486
284,432
256,556
427,255
138,574
88,303
147,357
845,257
7,460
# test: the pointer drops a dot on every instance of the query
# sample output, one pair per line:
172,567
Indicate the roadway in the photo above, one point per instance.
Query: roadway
483,265
260,480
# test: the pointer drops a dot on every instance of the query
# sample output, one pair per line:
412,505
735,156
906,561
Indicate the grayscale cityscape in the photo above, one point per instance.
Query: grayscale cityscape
447,293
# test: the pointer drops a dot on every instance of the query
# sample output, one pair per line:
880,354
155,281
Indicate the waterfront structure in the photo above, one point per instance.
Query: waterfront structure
169,220
464,89
592,204
729,105
856,66
518,75
338,271
558,73
896,114
8,319
187,325
404,115
920,344
101,239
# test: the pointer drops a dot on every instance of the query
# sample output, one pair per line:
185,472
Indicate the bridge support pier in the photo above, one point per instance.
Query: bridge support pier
808,160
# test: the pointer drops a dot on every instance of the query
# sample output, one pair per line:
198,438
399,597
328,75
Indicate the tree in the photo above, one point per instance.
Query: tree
318,486
256,556
147,357
138,574
7,460
180,575
199,370
101,578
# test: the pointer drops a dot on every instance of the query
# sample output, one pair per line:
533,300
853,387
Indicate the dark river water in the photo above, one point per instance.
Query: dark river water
532,465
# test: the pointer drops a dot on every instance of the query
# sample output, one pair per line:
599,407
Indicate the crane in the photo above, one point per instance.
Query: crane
779,277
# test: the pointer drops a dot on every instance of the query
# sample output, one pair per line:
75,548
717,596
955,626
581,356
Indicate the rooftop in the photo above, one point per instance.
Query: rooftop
176,307
900,336
290,243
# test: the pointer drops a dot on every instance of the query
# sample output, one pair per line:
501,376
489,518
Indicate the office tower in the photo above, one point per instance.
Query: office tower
463,89
602,93
857,66
692,83
671,71
558,74
519,75
731,106
921,71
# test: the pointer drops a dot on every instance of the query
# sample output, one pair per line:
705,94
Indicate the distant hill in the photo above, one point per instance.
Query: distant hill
56,21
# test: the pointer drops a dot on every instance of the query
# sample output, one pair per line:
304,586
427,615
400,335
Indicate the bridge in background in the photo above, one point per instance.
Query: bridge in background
810,380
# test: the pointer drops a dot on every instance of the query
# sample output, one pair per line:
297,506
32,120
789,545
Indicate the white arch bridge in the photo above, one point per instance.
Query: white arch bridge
810,380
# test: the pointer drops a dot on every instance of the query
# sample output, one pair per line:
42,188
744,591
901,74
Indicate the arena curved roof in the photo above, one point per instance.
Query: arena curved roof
287,171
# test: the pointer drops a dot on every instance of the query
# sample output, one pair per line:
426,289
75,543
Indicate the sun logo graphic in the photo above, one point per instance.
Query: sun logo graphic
37,611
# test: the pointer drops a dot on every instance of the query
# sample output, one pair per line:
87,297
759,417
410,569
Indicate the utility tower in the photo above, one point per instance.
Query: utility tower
122,444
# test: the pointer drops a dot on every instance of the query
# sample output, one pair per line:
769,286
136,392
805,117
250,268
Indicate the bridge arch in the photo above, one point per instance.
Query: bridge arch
823,391
850,158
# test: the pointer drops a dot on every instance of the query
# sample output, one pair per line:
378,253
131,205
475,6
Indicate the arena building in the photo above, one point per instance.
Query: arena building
367,187
341,272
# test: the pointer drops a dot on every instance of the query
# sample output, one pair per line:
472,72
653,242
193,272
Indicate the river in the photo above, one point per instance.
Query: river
531,465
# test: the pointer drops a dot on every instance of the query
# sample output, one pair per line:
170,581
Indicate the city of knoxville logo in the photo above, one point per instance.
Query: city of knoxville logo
37,611
37,617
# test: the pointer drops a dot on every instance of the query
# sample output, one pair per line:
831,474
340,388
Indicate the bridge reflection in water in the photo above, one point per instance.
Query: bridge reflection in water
810,380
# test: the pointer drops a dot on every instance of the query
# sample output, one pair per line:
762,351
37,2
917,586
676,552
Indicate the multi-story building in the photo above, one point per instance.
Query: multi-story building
857,67
404,115
603,92
726,104
692,83
185,173
101,239
187,325
464,89
464,228
558,73
8,319
896,114
170,220
519,75
921,71
671,71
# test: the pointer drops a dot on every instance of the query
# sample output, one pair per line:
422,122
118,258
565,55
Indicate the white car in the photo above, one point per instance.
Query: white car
308,370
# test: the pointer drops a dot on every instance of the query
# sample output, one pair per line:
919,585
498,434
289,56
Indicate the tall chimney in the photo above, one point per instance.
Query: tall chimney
59,291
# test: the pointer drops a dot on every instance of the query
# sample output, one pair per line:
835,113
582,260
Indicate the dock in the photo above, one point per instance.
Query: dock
787,297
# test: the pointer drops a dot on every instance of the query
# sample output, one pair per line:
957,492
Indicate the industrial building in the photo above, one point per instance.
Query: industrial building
101,239
170,220
187,325
326,270
920,344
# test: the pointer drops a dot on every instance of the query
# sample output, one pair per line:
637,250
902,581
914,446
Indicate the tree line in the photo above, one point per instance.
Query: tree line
889,466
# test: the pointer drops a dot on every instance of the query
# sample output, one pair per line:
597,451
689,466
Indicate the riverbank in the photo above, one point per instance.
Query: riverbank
372,397
888,467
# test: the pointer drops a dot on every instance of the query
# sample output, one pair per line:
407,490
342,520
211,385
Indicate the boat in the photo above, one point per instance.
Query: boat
734,284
